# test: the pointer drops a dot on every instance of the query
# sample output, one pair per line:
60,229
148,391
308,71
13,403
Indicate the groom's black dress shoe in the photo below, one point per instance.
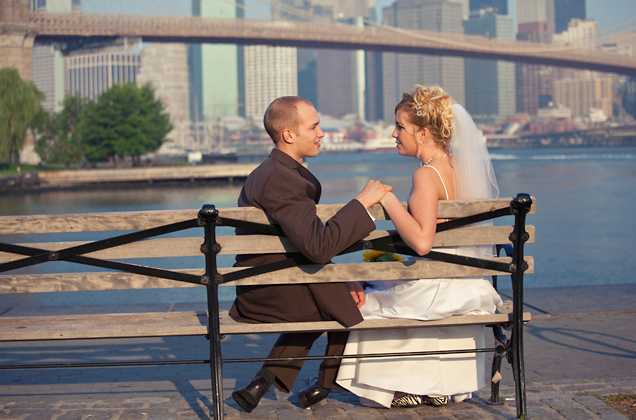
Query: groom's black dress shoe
249,397
311,395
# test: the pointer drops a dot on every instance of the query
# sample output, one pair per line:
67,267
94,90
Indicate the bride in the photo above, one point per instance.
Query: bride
455,165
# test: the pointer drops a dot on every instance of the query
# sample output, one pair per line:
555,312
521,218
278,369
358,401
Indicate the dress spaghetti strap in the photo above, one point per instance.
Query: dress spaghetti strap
440,178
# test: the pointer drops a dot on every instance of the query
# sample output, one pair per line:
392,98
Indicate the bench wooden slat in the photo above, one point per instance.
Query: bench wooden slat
229,326
73,282
406,270
111,221
263,244
92,222
259,244
191,323
103,326
67,282
152,248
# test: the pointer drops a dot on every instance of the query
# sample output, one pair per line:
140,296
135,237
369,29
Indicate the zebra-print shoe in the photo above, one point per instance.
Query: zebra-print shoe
412,400
408,400
436,401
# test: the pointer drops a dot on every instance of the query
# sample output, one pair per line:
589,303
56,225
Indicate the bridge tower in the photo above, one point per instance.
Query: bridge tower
17,35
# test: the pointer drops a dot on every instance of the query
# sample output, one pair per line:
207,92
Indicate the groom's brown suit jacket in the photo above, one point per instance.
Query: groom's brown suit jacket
288,192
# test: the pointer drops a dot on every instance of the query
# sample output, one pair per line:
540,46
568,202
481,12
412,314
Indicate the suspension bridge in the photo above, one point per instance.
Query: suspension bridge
20,28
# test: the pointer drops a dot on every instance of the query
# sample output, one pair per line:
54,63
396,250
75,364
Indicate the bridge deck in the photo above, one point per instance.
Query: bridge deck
62,27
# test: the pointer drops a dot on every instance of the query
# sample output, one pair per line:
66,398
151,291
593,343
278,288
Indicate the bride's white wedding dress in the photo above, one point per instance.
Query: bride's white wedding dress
377,379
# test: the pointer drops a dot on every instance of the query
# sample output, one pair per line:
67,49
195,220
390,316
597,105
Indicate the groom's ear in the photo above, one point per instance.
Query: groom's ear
288,136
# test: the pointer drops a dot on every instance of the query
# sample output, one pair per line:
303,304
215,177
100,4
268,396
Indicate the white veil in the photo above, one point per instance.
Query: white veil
474,174
472,168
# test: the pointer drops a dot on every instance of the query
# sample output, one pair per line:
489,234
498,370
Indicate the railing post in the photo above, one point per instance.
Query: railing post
520,206
208,218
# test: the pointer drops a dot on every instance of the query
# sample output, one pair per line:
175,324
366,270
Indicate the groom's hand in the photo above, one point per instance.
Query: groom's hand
357,292
372,193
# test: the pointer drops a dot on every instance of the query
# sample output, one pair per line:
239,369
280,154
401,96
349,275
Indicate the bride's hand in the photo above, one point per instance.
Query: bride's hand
372,193
357,292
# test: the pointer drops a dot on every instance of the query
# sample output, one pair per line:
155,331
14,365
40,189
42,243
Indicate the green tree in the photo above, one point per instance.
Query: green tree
60,137
127,120
19,104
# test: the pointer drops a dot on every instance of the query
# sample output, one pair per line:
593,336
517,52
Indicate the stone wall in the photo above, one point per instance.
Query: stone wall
17,35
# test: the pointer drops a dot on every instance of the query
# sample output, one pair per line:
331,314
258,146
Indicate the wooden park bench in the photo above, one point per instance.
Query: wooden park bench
136,235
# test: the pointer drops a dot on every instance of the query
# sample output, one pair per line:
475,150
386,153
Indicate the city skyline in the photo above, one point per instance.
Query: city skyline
212,100
608,13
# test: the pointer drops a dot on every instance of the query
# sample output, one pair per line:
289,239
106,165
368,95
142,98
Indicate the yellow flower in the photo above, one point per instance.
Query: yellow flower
381,256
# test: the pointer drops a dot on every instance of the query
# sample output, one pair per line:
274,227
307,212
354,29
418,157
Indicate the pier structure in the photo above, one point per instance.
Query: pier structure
146,175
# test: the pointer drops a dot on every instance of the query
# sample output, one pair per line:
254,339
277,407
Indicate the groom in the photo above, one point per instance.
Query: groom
288,192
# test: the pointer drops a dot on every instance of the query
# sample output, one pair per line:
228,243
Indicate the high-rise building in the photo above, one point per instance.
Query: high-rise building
582,94
336,81
465,7
306,57
35,5
89,73
215,85
48,75
565,11
401,72
48,62
583,90
490,84
534,81
580,33
165,67
625,38
500,6
270,72
336,95
625,43
535,11
341,80
374,99
307,74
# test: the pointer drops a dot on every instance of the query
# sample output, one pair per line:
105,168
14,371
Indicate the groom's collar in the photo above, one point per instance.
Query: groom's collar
285,159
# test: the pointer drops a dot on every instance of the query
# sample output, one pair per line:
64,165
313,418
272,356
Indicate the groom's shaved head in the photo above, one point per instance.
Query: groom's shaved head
282,114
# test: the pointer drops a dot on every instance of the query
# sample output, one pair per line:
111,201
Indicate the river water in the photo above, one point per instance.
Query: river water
586,197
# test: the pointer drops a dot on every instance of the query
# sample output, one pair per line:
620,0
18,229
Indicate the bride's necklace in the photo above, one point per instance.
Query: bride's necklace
436,156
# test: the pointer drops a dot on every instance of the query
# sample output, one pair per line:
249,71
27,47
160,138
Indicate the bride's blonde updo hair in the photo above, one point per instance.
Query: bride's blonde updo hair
430,108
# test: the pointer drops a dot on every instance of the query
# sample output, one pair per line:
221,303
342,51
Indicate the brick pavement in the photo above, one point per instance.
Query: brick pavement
585,345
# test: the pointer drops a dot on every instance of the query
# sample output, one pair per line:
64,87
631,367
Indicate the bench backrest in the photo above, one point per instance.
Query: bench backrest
37,232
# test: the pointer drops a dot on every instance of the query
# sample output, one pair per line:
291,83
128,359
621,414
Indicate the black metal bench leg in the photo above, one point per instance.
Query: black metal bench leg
208,218
520,206
216,364
519,376
500,353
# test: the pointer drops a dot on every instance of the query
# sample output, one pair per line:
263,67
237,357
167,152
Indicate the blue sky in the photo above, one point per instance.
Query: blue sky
609,13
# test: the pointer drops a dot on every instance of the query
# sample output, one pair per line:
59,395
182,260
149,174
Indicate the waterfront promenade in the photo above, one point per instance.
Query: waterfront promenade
147,175
90,178
580,342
